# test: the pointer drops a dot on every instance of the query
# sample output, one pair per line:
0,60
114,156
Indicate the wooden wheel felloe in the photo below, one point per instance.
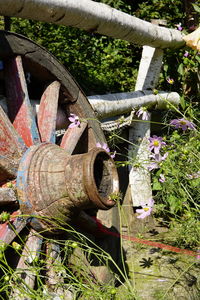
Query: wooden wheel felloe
48,171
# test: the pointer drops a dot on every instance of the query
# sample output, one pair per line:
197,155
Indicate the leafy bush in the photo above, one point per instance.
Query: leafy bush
99,64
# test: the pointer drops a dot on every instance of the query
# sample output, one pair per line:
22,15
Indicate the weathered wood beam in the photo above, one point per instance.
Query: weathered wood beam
94,17
110,105
139,176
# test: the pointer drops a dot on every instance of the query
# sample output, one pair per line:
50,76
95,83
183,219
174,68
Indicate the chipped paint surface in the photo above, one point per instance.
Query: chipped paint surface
22,182
11,144
9,230
20,110
47,113
72,136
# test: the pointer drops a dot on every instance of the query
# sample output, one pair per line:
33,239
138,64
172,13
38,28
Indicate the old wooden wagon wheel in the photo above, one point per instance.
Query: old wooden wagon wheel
47,177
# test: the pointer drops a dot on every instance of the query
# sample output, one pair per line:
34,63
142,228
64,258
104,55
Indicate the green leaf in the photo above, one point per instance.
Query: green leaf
182,101
197,58
196,7
173,202
156,186
180,69
195,182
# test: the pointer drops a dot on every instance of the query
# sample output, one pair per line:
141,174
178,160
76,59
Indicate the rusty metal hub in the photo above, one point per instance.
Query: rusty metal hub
53,185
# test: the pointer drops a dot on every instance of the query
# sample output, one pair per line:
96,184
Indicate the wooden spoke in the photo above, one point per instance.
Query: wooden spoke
7,197
8,169
84,110
19,106
11,144
11,148
56,272
25,268
72,136
9,230
48,112
52,262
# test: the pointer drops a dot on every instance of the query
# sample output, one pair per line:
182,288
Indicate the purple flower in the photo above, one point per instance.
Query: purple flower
113,155
162,178
170,80
106,148
153,166
143,112
146,209
186,54
183,124
179,27
158,157
156,143
198,255
194,175
75,121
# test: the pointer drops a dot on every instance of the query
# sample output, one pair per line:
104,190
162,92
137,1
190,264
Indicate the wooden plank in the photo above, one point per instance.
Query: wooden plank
72,136
48,112
19,106
9,230
149,69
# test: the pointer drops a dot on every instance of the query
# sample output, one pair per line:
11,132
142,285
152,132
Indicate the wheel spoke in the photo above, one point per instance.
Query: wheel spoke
9,230
8,169
48,112
7,197
19,106
25,268
72,136
56,272
11,144
11,148
53,260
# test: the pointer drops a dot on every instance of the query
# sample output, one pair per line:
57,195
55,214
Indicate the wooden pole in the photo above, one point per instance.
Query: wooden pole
94,17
